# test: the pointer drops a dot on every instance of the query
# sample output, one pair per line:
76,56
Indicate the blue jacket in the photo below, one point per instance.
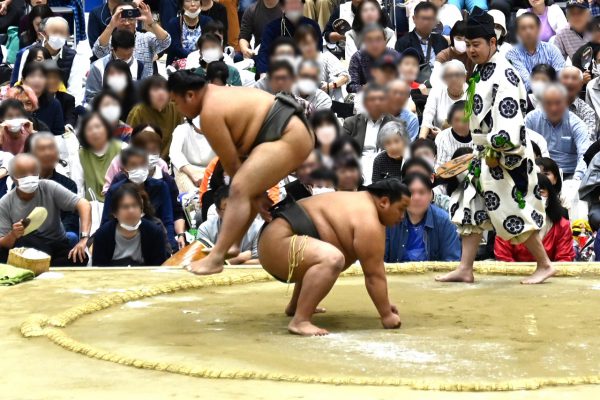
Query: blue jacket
152,242
272,31
442,242
50,112
176,50
159,194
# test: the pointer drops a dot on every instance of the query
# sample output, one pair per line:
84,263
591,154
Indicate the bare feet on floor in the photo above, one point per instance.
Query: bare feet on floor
539,276
207,266
305,328
458,275
290,310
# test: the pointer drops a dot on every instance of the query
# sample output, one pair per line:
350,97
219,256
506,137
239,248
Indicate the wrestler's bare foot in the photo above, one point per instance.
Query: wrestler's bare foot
458,275
207,266
305,328
540,275
290,310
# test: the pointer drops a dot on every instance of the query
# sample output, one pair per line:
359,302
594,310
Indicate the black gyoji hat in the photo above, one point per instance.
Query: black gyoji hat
480,24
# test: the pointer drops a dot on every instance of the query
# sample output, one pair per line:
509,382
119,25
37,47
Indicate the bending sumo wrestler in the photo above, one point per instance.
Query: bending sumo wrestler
311,242
269,133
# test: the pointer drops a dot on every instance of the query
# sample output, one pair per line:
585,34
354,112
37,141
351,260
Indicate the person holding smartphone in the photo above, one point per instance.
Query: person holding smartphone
147,44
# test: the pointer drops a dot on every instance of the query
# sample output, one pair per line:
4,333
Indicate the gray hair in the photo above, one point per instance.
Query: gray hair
371,28
556,86
394,128
571,68
310,64
41,136
13,162
453,64
54,20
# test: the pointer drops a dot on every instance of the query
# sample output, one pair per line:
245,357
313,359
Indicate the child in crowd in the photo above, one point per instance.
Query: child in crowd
458,135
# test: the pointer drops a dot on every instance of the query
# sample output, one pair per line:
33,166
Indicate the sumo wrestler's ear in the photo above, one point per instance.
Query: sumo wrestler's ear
384,202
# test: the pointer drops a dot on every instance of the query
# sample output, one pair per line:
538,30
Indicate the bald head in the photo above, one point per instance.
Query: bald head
555,102
572,79
56,26
398,95
23,165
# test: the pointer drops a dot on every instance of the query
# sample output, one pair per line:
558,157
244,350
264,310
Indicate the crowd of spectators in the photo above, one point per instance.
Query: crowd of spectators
88,130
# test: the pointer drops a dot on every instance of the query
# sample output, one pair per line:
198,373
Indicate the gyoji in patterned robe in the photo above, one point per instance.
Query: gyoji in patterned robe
505,198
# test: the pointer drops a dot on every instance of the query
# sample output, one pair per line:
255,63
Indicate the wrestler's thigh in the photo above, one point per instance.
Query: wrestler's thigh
274,247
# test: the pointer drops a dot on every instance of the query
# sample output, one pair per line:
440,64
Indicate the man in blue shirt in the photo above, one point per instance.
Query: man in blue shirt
566,134
426,234
284,26
398,95
531,51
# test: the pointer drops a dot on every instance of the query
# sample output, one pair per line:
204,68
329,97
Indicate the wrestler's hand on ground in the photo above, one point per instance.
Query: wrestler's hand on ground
391,321
262,204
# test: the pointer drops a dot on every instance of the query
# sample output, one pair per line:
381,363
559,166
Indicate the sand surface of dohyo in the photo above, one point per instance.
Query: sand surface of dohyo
494,330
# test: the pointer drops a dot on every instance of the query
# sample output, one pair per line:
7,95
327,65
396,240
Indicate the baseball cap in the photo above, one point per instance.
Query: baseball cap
410,52
387,60
578,3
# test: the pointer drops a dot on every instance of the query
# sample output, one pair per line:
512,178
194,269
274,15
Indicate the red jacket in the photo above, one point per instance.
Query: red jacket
558,244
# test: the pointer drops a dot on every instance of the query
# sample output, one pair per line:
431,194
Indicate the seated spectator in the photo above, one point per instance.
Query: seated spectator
566,134
374,47
190,153
531,50
211,50
254,19
541,76
570,38
37,53
208,232
122,42
130,237
16,126
216,28
345,146
408,69
99,18
337,41
593,35
54,32
426,233
500,28
280,79
333,74
385,70
323,180
427,44
441,98
307,86
117,78
394,141
50,238
216,12
282,49
44,148
398,96
217,73
555,232
456,136
55,89
348,174
448,15
302,186
550,169
552,19
572,79
147,44
29,25
456,51
97,152
151,142
49,109
108,104
284,26
156,108
419,165
425,149
368,13
364,127
327,129
185,30
135,165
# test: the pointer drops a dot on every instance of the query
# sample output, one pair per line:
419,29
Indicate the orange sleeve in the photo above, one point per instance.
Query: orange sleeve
210,168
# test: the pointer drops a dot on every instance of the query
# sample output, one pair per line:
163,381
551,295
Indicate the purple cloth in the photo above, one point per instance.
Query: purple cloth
546,31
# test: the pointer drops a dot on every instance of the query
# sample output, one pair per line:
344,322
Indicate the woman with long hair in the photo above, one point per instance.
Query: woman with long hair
369,12
117,77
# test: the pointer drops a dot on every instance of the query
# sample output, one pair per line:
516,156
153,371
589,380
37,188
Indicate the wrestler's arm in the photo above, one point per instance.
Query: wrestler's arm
217,133
369,245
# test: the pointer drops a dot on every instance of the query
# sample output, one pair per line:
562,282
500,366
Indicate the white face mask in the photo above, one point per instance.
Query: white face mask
131,228
138,175
326,134
317,190
306,86
211,55
460,46
14,125
118,83
56,42
191,14
498,33
537,88
111,113
28,184
153,160
293,16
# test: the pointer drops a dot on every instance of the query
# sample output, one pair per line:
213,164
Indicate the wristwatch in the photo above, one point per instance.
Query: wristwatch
182,234
84,235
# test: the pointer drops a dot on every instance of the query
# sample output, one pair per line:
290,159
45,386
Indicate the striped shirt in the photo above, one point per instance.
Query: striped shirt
447,142
568,41
523,61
